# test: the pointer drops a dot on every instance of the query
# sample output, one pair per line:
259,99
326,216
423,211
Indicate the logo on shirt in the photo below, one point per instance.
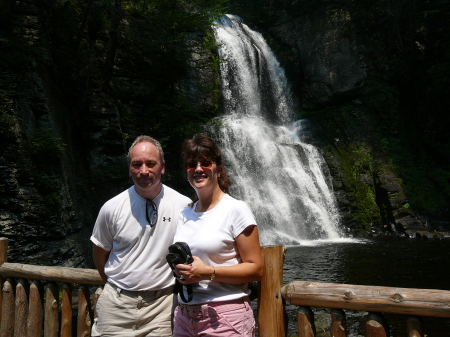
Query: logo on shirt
168,219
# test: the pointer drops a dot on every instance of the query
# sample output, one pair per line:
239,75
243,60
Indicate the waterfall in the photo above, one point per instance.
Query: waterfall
280,177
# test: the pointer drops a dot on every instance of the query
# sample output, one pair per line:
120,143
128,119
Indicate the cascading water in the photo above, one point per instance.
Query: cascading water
278,175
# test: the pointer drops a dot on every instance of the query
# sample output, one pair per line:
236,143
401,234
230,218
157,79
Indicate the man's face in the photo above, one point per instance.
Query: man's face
146,167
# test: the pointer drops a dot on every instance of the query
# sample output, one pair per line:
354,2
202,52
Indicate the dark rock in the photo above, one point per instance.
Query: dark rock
325,53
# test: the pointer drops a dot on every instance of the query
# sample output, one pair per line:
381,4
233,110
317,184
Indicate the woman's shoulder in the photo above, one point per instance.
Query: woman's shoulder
235,203
239,214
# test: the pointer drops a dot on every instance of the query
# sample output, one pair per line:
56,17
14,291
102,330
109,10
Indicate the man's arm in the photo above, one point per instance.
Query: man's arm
100,257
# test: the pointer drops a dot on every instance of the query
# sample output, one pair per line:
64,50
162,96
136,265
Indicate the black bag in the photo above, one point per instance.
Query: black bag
180,253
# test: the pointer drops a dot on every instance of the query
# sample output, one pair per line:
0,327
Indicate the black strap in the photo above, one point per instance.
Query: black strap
179,289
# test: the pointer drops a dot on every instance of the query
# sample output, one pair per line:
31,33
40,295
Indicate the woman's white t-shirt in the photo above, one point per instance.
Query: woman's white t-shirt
211,236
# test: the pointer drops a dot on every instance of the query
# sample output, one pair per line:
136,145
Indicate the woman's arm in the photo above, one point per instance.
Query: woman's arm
249,270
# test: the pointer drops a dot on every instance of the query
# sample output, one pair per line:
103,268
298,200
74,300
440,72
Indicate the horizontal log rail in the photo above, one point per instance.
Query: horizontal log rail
409,301
48,273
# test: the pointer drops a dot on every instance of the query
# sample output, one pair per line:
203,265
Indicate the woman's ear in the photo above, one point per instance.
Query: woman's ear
219,171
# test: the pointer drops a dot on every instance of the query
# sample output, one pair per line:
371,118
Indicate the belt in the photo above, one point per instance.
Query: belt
143,293
199,311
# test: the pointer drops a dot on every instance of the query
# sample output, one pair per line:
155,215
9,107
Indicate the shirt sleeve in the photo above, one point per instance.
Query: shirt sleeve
242,218
101,234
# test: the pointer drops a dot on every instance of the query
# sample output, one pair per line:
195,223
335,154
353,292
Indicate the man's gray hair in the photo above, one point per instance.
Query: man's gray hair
149,139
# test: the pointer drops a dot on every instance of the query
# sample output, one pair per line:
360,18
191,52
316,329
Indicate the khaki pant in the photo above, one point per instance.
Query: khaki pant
134,313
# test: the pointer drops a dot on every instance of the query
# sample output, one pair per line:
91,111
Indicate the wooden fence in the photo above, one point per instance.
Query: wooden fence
37,301
375,300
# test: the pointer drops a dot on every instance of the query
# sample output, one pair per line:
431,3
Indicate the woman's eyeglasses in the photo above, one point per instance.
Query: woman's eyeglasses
153,218
192,165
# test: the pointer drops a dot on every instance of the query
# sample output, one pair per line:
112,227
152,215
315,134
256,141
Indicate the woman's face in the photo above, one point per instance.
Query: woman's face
202,173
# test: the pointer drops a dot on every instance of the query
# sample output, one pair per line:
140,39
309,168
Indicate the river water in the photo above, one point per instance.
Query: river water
387,261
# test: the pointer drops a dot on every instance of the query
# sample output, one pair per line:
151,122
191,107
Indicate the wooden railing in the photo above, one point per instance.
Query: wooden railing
375,300
36,301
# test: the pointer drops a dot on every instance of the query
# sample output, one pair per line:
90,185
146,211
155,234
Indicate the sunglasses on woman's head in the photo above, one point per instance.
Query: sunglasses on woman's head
205,164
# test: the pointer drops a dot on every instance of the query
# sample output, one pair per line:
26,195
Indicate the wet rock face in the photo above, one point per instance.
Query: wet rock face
371,198
64,153
58,163
328,65
42,202
327,58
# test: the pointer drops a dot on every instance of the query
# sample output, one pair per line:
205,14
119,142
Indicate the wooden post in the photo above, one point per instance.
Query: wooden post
414,325
66,311
3,250
36,310
84,312
376,325
21,308
271,312
305,321
338,323
3,259
51,322
7,321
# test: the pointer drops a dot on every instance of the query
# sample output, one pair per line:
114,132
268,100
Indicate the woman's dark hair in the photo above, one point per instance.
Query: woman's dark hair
203,146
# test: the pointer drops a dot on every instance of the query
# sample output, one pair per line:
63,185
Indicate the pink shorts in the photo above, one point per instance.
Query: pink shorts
225,319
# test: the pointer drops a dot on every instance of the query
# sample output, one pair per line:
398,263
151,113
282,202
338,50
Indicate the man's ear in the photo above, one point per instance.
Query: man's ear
163,167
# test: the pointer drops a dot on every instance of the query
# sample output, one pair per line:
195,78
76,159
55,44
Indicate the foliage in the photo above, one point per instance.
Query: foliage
424,182
409,94
47,151
49,185
7,119
256,10
158,37
45,146
110,170
157,46
137,52
426,186
170,123
382,99
357,162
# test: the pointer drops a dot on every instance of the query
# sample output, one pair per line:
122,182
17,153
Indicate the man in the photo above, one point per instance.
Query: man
131,236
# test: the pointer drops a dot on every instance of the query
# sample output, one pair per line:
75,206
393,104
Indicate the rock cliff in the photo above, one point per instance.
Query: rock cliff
345,70
65,130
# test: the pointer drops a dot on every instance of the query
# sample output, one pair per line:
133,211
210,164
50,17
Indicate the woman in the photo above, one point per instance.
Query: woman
222,234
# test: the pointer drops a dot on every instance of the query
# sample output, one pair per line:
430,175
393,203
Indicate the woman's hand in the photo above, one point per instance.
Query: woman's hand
194,272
